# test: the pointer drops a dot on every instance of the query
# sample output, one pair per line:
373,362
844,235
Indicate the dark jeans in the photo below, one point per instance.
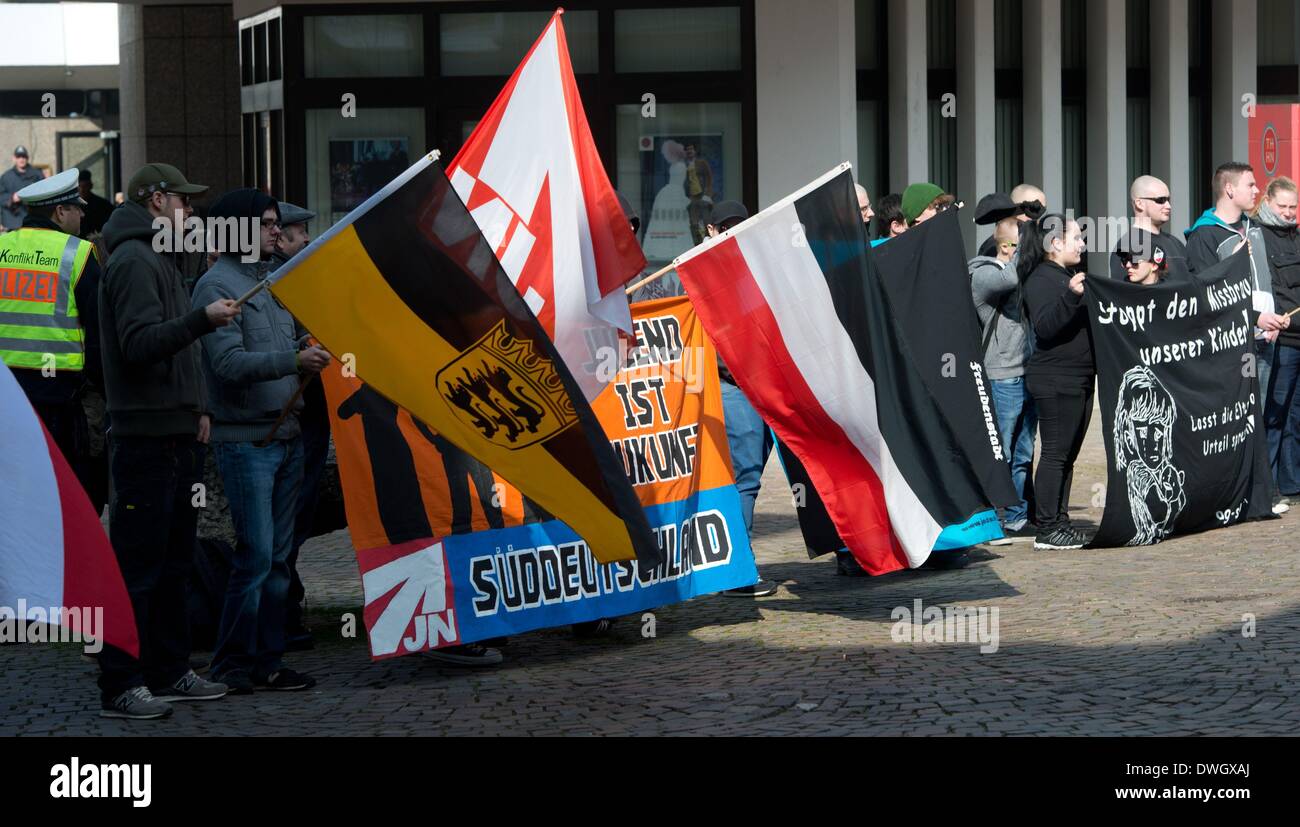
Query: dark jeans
152,523
1064,405
750,444
1282,420
1017,420
262,487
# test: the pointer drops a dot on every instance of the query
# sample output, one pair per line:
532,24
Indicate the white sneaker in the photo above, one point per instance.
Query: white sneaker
1281,507
1001,541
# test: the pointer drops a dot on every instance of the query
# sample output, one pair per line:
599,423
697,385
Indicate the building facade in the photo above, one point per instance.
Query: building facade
1078,96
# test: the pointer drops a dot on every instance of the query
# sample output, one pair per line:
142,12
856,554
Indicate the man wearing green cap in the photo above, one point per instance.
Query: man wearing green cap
157,439
924,201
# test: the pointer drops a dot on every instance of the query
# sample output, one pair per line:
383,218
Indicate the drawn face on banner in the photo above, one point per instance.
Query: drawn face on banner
1151,440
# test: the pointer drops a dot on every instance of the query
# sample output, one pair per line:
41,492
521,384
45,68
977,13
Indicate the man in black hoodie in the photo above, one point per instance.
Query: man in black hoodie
157,436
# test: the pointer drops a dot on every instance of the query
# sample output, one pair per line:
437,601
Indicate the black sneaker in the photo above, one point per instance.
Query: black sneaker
470,654
846,566
762,588
1059,539
1027,531
237,683
287,680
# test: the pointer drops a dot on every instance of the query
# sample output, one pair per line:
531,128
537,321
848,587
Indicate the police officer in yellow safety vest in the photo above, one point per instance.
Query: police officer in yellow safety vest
49,311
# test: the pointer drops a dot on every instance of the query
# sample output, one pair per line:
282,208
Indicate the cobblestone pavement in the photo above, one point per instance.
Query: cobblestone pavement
1131,641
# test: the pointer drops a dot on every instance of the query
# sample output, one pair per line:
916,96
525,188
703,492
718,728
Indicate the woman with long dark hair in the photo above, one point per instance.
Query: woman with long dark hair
1060,374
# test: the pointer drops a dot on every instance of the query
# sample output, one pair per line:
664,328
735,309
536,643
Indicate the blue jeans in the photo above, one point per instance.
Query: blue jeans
1282,420
262,485
1017,421
750,443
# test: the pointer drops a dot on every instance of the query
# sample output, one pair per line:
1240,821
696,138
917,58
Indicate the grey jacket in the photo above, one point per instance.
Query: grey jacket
995,288
12,215
251,365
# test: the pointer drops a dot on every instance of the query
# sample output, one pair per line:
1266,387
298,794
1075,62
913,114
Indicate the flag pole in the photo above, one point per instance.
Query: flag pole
257,288
1292,313
284,413
652,277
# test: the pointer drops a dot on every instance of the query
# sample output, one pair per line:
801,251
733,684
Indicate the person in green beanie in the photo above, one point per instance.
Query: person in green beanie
924,201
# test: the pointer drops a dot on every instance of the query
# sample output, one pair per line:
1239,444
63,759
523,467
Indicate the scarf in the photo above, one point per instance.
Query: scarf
1266,216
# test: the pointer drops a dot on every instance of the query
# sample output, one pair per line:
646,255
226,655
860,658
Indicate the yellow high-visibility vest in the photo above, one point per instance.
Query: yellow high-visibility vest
39,271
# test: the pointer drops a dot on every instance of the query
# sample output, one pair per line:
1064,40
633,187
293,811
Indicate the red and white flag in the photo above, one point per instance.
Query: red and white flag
532,179
56,564
796,308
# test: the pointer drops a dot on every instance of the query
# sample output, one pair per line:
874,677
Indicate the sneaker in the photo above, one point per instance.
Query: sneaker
138,704
192,688
1001,541
1281,507
237,683
287,680
1025,531
946,560
846,566
1061,538
470,654
762,588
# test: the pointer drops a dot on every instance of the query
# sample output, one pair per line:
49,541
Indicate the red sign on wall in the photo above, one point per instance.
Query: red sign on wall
1275,142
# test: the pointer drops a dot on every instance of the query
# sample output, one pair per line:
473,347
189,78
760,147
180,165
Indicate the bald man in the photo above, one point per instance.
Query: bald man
864,204
1028,192
1023,195
1149,197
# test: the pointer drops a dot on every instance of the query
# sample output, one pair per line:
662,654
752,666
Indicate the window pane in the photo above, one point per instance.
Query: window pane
246,56
677,40
941,34
672,168
1007,45
277,63
494,43
259,53
354,46
867,34
350,159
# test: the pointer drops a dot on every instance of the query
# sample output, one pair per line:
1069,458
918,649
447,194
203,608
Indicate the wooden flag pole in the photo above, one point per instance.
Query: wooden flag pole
1292,313
258,288
284,414
652,277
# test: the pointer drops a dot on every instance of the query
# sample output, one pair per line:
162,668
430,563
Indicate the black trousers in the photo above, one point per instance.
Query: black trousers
1064,411
152,523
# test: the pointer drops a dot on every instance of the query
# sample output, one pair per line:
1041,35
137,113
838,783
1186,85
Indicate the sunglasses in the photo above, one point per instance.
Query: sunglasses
1127,260
1163,199
1008,245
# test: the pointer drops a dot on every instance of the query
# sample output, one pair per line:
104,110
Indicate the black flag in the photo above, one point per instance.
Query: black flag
1180,405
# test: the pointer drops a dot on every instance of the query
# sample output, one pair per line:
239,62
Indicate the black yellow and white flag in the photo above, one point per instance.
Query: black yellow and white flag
409,288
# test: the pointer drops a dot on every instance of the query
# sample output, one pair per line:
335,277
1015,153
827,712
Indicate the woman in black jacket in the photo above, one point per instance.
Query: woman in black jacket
1061,371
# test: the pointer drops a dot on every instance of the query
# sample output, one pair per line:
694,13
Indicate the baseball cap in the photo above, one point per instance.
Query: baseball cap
1140,245
725,211
152,178
21,150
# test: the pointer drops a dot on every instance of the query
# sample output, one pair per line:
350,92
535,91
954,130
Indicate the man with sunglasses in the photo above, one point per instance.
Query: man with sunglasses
1151,210
158,433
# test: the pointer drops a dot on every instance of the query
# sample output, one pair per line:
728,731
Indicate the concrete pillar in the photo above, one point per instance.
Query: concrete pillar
1233,73
909,133
1170,113
1107,118
807,105
1042,93
180,91
976,104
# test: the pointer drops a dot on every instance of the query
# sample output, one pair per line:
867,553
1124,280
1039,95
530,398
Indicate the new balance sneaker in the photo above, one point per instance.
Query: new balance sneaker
1061,538
287,680
136,703
470,654
762,588
192,688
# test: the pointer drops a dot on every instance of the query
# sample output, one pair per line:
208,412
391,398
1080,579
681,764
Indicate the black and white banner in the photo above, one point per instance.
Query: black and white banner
1180,405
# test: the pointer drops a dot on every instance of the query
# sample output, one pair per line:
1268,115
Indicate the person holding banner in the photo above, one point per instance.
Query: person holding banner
1060,374
1276,216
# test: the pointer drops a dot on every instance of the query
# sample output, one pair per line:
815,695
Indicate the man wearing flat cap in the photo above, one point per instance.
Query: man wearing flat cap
49,337
22,174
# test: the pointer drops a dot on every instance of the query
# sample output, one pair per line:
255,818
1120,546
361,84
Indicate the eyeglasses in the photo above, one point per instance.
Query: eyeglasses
270,224
1163,199
183,198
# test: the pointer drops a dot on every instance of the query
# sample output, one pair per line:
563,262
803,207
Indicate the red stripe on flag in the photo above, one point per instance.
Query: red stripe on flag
732,306
91,577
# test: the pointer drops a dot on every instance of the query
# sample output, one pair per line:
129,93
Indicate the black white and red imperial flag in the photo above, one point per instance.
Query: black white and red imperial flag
795,306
